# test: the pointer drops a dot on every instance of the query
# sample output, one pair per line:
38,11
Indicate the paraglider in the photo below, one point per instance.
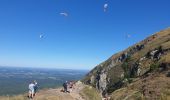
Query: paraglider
105,7
128,36
41,36
64,14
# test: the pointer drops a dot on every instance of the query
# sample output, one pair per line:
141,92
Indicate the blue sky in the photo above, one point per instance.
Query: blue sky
85,38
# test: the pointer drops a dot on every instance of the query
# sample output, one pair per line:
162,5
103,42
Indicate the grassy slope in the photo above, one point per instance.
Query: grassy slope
156,86
90,93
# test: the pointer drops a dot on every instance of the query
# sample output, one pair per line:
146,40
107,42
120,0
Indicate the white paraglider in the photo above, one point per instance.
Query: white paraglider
64,14
128,36
105,7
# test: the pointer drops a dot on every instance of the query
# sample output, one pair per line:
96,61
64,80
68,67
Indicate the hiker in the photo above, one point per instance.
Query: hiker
65,86
31,90
35,87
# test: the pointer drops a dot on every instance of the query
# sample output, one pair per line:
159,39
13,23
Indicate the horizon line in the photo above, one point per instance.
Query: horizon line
59,68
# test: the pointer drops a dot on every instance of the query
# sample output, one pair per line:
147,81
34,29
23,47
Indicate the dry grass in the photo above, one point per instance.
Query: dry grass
19,97
125,94
154,87
89,93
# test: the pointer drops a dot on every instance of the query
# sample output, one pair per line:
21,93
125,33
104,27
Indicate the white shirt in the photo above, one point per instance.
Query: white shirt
31,86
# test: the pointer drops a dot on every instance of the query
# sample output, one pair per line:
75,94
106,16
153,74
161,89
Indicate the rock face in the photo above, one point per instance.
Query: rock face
130,64
102,82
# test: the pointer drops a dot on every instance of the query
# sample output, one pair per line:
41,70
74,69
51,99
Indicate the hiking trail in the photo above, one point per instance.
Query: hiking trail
56,94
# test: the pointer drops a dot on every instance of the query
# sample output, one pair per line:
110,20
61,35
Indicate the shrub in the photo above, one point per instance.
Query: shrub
154,66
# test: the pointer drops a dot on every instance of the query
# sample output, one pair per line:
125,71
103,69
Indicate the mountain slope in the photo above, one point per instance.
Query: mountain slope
147,62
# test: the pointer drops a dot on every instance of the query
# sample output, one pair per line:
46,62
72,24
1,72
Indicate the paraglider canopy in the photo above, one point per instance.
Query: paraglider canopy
128,36
64,14
41,36
105,7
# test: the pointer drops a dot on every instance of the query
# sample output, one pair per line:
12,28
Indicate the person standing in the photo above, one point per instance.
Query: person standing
31,90
65,86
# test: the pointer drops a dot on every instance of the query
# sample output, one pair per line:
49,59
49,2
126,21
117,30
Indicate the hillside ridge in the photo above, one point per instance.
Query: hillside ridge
145,58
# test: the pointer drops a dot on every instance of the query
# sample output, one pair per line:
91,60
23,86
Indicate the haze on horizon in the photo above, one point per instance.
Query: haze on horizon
34,33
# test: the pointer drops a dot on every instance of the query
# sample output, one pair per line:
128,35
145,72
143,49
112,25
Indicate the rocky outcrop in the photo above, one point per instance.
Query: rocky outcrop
102,83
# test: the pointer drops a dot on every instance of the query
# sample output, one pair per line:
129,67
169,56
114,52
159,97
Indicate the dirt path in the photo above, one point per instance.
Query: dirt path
56,94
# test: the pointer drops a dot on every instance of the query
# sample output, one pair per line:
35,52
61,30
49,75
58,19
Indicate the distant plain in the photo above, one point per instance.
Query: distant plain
15,80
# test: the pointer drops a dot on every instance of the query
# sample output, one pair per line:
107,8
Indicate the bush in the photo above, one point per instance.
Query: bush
154,66
128,72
